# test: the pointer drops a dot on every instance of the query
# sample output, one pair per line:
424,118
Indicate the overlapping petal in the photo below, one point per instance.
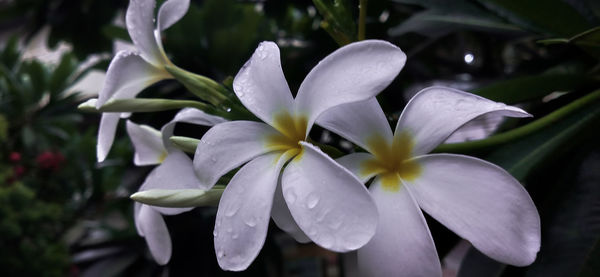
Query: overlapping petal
487,206
244,212
175,172
402,243
436,112
354,162
187,115
228,145
358,122
352,73
170,12
283,218
156,234
261,86
147,143
127,75
329,204
139,19
106,134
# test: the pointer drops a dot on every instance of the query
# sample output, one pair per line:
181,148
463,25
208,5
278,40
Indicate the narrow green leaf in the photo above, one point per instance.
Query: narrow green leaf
544,16
522,156
527,88
61,74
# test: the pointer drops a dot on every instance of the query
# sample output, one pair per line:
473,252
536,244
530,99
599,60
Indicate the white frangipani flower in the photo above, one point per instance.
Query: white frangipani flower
131,72
174,172
325,200
477,200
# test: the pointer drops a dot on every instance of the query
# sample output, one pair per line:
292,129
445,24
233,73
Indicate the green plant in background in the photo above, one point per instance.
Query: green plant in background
48,181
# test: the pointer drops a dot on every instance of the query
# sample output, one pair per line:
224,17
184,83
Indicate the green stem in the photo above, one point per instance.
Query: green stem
362,16
512,135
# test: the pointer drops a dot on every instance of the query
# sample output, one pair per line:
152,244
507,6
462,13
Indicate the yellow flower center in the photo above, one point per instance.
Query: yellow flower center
292,130
391,162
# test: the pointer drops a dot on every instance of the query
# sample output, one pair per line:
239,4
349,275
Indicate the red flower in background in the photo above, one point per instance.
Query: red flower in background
49,160
15,157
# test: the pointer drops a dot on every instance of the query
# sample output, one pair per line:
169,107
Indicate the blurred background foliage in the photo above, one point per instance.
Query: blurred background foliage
61,213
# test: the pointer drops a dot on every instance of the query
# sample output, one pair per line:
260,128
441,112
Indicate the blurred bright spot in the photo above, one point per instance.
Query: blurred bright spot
469,58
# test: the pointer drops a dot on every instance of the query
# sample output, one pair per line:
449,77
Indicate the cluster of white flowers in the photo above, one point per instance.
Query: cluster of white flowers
309,195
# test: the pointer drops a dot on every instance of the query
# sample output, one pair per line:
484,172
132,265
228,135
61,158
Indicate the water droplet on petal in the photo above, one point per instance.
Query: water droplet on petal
290,196
232,210
335,223
250,221
312,200
220,254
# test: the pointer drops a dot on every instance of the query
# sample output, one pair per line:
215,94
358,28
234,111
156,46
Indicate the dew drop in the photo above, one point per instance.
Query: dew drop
228,110
235,236
232,210
213,159
290,196
335,223
220,254
250,221
312,200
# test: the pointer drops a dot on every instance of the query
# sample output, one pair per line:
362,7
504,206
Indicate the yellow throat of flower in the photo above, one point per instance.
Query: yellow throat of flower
292,130
391,162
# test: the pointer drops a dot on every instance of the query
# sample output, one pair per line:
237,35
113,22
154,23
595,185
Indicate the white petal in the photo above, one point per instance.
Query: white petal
283,218
436,112
228,145
402,245
106,134
170,12
147,144
127,75
261,86
176,172
188,115
136,218
244,212
156,234
359,122
140,25
352,73
329,204
482,203
354,162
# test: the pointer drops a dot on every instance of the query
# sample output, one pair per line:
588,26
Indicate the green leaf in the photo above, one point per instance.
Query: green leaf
3,128
589,41
527,88
338,20
10,55
541,16
522,156
60,75
434,23
114,32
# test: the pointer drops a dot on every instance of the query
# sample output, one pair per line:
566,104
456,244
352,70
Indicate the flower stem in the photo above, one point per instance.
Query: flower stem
362,15
512,135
